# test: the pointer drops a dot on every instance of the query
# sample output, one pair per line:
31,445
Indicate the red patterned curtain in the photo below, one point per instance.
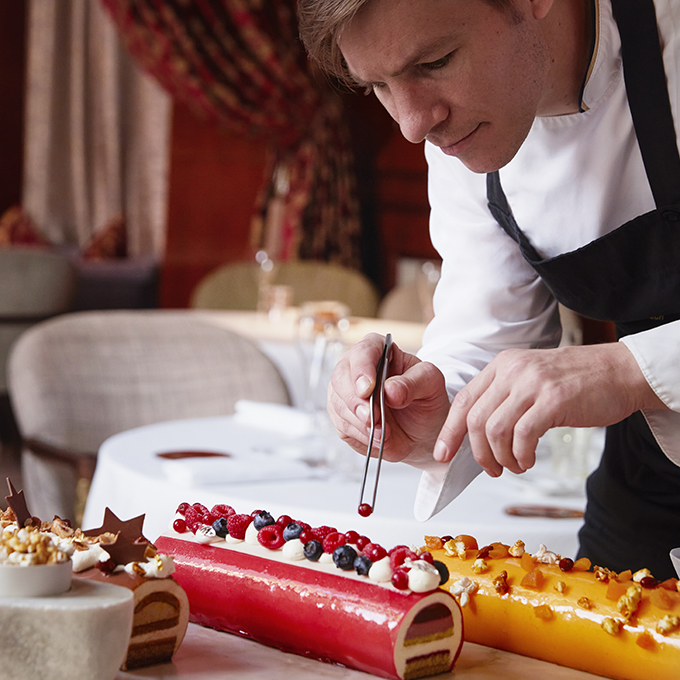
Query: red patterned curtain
240,62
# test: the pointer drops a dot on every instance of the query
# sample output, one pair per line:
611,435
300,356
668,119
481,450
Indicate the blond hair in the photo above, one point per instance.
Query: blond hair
322,21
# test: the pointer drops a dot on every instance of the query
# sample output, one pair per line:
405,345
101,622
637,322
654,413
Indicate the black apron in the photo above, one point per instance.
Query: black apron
631,277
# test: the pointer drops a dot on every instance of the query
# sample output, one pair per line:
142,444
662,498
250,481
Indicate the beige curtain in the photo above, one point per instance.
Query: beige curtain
97,131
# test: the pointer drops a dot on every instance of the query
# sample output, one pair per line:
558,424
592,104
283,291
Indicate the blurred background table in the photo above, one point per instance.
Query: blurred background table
280,339
130,479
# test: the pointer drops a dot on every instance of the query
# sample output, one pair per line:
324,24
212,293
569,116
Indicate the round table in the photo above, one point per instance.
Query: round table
131,479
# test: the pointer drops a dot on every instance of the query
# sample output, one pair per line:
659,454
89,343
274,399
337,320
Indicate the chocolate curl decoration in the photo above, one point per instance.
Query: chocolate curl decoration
17,502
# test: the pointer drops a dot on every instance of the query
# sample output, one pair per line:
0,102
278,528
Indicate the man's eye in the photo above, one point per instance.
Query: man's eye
435,65
373,87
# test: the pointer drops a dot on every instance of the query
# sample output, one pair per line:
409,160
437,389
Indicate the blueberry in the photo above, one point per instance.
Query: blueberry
362,564
220,527
313,550
443,571
263,519
344,556
291,531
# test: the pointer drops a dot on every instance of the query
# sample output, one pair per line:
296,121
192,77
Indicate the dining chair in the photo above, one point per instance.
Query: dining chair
78,379
236,286
35,284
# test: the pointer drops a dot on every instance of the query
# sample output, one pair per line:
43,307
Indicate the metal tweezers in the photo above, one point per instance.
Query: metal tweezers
379,393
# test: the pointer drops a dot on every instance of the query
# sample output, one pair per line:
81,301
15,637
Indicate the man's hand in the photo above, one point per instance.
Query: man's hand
521,394
415,397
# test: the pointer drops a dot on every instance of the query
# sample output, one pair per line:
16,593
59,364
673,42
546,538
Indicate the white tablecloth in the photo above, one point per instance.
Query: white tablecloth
130,479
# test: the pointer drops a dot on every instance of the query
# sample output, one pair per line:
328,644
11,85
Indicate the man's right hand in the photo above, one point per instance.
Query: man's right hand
415,398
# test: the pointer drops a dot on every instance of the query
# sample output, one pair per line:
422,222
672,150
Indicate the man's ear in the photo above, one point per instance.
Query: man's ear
541,8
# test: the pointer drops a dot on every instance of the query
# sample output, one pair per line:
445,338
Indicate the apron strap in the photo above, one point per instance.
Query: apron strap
647,92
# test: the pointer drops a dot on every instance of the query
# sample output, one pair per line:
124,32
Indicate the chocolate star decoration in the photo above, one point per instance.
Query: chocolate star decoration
17,502
131,529
124,550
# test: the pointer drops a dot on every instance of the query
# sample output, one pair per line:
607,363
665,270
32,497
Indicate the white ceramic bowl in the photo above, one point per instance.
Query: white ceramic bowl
675,558
38,580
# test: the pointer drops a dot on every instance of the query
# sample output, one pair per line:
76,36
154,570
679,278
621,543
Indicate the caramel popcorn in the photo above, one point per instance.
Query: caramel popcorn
628,603
668,624
29,546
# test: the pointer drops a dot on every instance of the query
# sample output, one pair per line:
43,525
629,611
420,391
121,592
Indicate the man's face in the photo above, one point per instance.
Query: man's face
460,73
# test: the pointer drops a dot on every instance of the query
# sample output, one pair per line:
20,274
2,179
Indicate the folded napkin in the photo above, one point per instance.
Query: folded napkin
254,467
274,417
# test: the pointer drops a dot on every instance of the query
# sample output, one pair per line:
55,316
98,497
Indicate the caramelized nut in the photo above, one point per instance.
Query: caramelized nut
561,587
612,626
517,549
500,583
585,603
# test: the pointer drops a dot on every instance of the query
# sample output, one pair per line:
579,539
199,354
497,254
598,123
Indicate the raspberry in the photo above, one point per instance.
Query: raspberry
352,536
271,536
284,520
399,554
374,552
321,532
237,525
304,525
221,510
182,508
192,518
180,526
362,542
400,579
333,541
201,508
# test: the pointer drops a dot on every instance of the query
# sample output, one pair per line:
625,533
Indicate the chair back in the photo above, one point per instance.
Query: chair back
78,379
35,284
236,286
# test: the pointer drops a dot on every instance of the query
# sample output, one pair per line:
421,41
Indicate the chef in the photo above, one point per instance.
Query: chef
554,176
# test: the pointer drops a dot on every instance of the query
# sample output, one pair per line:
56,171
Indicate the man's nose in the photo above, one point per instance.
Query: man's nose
417,111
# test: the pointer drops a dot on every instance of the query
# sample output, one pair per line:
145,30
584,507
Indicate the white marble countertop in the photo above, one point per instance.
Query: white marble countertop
211,655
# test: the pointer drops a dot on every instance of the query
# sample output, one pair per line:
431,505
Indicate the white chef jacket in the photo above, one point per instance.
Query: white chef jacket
575,178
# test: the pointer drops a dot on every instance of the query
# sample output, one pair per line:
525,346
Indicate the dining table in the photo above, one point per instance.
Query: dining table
287,461
207,654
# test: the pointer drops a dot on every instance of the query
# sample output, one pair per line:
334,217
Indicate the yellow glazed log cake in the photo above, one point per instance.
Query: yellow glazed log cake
624,626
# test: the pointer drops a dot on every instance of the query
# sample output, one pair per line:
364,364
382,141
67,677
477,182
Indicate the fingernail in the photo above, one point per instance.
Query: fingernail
363,385
362,413
441,451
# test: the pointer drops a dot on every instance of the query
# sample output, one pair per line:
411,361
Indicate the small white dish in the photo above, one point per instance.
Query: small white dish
39,580
675,558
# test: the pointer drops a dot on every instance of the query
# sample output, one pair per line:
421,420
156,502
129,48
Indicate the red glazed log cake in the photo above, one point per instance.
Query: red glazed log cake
315,609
